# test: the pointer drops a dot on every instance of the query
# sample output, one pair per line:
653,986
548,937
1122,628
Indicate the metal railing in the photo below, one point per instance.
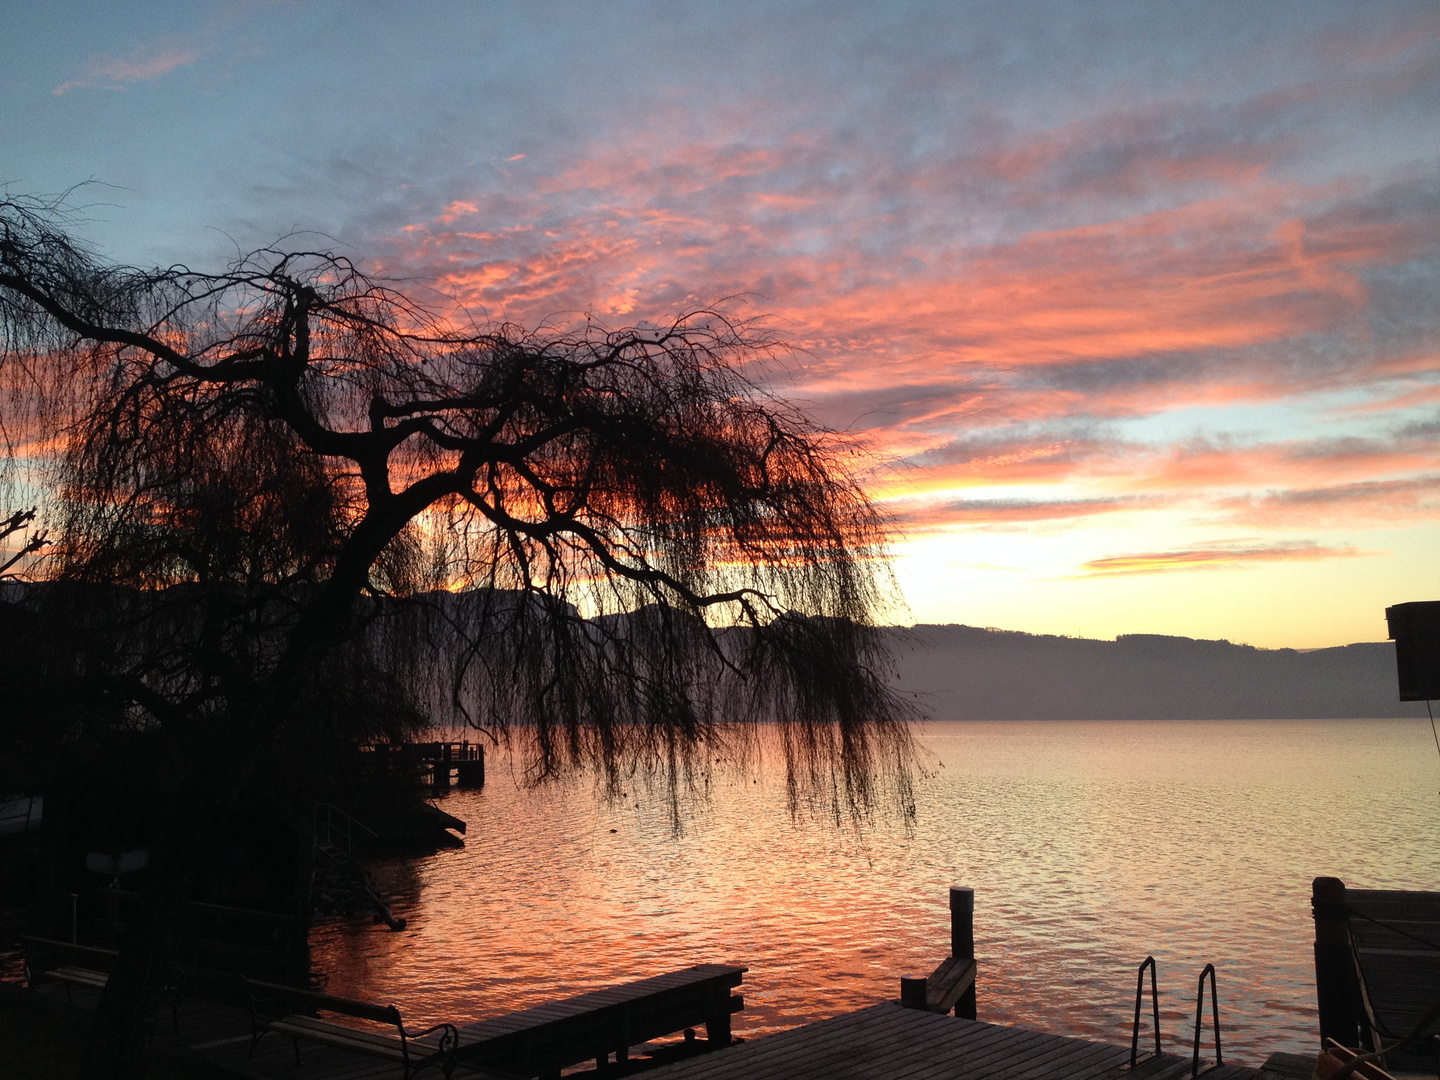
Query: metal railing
336,829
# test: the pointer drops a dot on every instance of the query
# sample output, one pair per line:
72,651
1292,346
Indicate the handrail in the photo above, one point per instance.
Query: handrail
1199,1021
333,827
1135,1059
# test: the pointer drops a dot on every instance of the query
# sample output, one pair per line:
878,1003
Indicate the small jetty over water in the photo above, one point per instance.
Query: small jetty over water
435,763
264,1031
915,1038
887,1041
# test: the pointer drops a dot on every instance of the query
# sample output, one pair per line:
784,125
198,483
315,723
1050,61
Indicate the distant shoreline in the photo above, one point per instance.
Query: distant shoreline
965,672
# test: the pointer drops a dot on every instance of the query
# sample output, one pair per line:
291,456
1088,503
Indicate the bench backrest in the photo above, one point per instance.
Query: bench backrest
296,1000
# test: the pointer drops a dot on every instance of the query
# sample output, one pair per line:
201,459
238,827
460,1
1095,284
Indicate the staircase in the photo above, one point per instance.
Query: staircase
339,885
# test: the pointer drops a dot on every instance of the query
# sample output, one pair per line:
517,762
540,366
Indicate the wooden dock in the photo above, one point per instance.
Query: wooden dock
892,1042
617,1030
436,762
883,1042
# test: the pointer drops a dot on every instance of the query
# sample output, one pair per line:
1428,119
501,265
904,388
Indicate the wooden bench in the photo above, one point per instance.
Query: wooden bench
47,960
543,1040
948,983
288,1010
87,966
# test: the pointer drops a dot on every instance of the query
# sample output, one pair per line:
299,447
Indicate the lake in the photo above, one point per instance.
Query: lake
1089,845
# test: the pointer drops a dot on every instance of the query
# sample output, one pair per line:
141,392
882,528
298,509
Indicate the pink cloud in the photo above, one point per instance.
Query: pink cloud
1209,282
917,516
1280,464
1427,365
140,66
1411,499
1219,555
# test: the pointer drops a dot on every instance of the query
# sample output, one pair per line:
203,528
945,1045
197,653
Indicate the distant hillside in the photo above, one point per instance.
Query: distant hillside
965,673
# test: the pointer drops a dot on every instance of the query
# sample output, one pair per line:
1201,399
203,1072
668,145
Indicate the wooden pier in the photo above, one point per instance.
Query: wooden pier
618,1030
887,1041
436,763
892,1042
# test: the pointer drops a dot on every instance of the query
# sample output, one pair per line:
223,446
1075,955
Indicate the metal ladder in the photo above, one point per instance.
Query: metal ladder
1195,1069
1136,1058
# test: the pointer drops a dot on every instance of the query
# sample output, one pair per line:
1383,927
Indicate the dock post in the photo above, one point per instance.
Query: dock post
442,768
962,940
1337,991
913,990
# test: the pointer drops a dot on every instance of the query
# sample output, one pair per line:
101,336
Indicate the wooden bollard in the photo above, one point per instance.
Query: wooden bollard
962,940
1337,990
912,991
962,922
443,767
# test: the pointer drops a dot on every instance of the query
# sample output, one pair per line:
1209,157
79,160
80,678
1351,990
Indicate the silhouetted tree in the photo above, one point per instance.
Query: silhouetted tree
612,548
19,522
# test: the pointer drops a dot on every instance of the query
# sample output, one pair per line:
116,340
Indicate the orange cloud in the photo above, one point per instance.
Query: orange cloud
1411,499
1212,276
970,356
933,515
1219,555
1282,464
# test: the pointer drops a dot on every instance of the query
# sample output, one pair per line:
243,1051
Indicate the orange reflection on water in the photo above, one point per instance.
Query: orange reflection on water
1089,845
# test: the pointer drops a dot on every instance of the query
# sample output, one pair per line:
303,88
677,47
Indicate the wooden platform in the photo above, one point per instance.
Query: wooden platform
891,1042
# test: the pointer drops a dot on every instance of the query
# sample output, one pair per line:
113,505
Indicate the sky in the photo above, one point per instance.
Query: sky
1134,308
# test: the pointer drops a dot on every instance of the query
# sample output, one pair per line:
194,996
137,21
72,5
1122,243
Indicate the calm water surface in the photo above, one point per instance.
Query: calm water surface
1089,845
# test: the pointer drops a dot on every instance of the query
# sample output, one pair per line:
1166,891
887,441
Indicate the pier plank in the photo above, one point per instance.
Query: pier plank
948,1061
891,1042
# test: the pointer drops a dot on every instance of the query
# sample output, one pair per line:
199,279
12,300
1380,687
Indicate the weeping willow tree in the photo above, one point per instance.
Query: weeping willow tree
612,549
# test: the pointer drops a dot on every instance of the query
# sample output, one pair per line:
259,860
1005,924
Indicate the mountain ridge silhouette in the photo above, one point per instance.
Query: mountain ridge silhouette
960,672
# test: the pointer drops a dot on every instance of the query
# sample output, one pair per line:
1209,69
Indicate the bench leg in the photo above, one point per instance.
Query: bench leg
295,1043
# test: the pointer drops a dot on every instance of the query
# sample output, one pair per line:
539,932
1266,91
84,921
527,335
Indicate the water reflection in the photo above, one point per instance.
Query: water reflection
1089,845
